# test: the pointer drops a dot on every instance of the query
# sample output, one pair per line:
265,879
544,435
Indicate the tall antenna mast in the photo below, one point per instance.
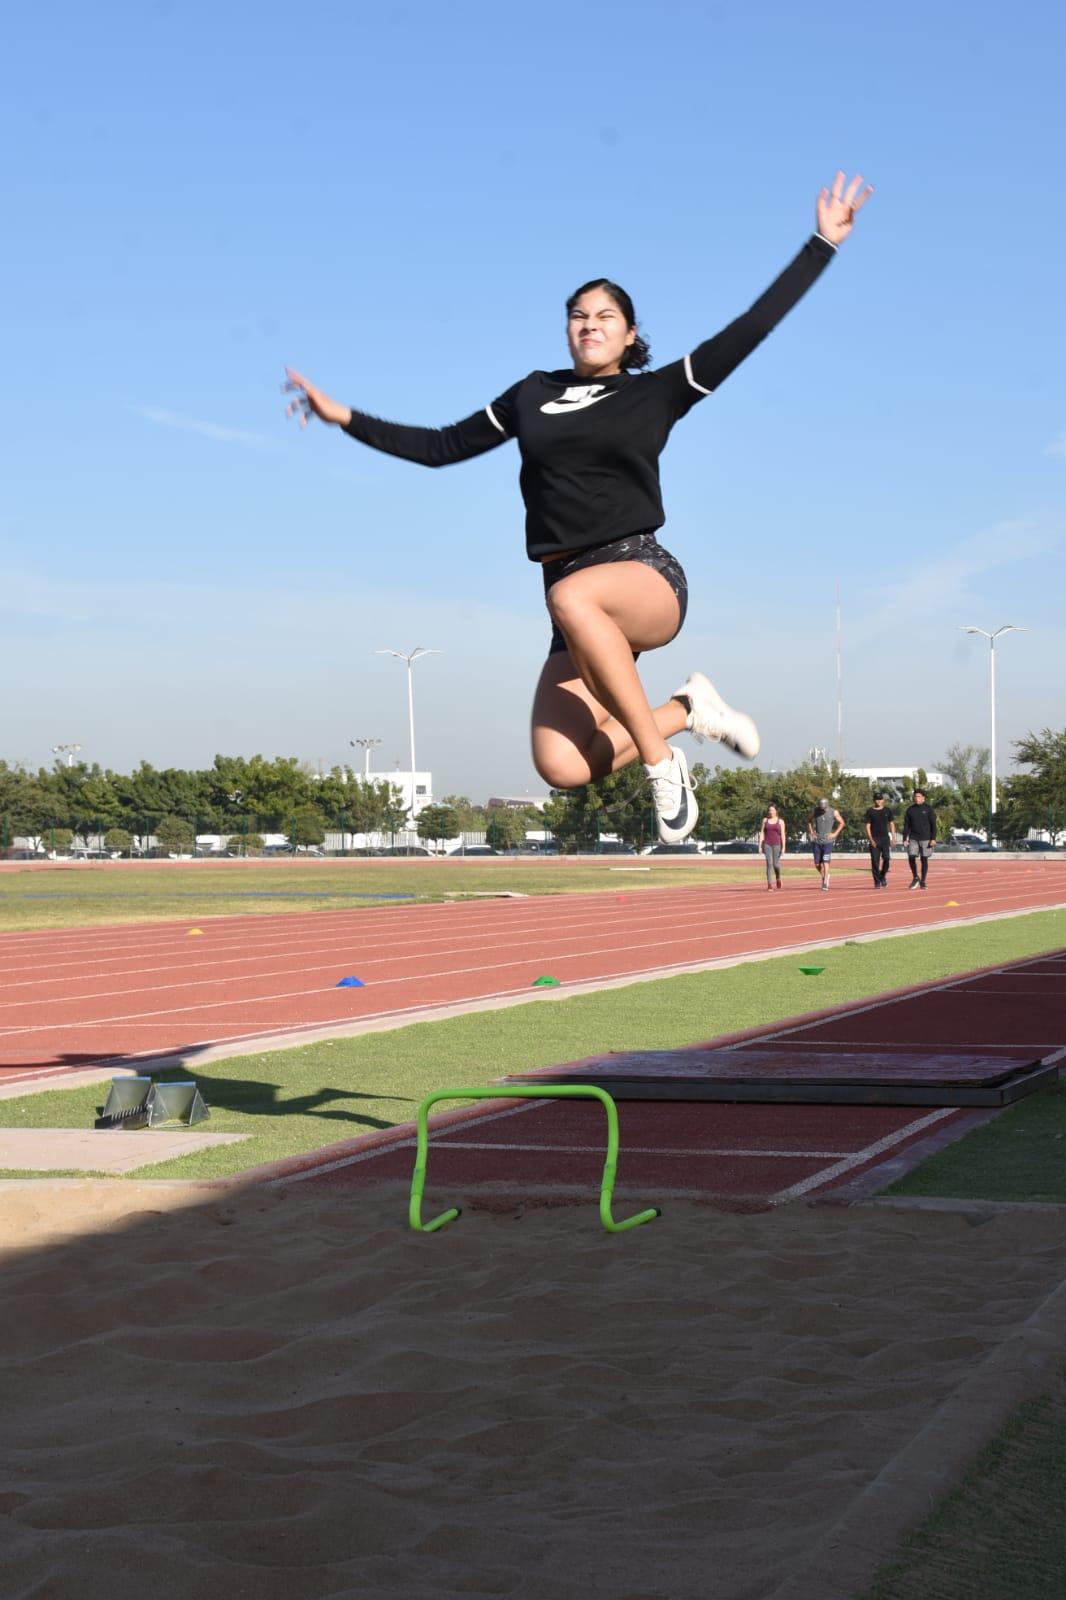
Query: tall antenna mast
840,687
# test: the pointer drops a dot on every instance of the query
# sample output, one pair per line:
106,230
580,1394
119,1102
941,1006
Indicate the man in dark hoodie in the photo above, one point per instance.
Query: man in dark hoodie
919,835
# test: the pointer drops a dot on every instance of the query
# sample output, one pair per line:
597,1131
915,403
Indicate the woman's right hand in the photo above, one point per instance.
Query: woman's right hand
311,402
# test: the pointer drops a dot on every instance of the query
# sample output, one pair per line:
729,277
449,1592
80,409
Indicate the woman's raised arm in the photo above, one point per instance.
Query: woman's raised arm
711,362
429,447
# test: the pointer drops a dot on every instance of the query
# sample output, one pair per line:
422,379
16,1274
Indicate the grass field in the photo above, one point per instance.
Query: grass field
1001,1534
94,894
296,1100
1019,1156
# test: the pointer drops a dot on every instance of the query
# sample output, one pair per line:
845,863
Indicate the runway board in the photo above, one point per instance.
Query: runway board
807,1077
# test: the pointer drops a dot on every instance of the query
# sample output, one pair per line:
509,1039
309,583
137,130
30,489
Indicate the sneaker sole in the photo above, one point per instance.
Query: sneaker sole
739,732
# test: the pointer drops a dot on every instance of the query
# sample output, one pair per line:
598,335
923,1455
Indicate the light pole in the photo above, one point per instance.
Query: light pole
67,750
368,745
410,659
992,637
235,799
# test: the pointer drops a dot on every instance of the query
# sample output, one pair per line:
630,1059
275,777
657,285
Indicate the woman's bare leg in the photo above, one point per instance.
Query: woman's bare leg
591,715
575,738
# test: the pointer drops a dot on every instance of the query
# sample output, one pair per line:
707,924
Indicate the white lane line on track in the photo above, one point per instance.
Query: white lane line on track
525,937
444,1142
899,1044
401,1142
637,974
847,1163
269,933
787,1032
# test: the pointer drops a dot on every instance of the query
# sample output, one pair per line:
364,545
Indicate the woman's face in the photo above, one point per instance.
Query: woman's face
597,334
771,812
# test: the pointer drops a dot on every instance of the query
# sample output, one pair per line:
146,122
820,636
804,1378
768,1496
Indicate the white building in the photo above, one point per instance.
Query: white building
899,778
414,802
515,802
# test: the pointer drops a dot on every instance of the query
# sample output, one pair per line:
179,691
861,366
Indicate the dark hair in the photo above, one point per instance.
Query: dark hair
638,354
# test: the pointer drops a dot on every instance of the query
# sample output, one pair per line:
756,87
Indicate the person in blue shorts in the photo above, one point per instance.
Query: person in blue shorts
825,825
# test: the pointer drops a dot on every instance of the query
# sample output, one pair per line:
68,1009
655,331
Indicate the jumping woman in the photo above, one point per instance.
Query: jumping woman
590,438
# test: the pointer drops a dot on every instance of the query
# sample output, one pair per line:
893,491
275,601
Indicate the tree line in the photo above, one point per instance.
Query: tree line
236,798
243,798
733,800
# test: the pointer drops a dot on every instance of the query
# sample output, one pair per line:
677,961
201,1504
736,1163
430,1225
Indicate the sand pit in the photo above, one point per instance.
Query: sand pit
278,1393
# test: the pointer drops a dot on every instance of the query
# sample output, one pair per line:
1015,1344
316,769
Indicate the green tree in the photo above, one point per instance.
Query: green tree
615,804
306,826
245,844
1037,799
505,829
469,818
965,764
365,803
392,818
175,835
60,840
437,823
118,839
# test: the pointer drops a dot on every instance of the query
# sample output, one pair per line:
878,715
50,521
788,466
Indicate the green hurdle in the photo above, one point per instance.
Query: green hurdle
525,1092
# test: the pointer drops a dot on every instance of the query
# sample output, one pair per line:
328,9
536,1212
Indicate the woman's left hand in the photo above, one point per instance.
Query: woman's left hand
837,211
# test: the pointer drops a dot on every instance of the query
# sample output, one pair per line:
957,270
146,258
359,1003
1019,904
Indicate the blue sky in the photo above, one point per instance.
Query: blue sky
396,199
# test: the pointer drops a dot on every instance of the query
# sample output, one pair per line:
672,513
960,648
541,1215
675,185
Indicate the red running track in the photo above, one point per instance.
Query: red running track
91,997
740,1156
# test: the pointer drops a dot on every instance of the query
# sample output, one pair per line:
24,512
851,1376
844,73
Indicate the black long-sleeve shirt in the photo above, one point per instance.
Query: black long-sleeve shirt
590,451
919,821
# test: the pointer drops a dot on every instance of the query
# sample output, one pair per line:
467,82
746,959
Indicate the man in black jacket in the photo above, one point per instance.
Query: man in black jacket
919,835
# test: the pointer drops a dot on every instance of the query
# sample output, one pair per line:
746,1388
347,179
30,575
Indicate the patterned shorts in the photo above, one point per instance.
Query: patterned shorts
642,547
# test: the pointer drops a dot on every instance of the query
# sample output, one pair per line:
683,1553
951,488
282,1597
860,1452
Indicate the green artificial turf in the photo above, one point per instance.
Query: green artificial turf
91,894
1021,1155
301,1099
1001,1534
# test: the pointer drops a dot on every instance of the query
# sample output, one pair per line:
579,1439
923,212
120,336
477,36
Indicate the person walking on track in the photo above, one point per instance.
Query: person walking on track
772,844
919,835
590,437
880,823
825,825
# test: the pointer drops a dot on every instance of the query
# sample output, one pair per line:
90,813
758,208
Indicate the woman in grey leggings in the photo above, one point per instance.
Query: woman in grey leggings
772,844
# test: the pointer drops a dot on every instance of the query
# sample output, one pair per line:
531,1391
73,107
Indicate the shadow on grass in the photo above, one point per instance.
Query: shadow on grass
256,1097
250,1097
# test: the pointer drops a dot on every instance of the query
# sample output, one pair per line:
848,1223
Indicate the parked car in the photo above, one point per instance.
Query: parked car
736,847
1036,844
474,850
614,847
407,850
687,849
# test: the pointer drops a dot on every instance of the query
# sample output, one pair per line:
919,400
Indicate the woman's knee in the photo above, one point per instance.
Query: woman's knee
568,605
561,769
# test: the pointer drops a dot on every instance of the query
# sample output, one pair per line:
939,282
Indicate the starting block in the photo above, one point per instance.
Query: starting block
143,1103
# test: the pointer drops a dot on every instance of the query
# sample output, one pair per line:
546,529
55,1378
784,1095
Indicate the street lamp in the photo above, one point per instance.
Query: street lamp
67,750
235,797
368,745
992,637
410,659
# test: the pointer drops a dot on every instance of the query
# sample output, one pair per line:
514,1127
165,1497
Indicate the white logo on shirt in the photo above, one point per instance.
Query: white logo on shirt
576,399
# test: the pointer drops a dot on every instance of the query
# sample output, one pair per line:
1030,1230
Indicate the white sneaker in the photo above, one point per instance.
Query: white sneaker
710,718
676,811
